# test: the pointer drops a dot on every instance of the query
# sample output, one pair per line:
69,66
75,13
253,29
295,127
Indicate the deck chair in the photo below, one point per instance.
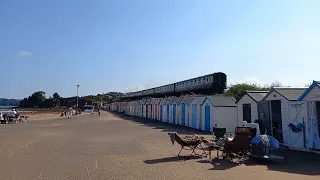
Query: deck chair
240,145
188,143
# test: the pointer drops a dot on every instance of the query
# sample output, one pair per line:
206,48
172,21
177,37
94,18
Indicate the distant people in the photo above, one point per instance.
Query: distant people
1,116
13,113
99,111
70,113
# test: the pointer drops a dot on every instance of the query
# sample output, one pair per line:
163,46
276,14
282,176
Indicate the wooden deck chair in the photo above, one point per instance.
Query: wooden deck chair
188,143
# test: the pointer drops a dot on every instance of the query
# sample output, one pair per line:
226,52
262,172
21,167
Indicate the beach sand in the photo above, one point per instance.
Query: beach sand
40,115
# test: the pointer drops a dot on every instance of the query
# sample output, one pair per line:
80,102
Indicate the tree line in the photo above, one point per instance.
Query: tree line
39,100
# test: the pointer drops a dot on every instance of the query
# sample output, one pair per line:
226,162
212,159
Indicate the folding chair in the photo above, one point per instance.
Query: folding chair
188,143
239,146
218,135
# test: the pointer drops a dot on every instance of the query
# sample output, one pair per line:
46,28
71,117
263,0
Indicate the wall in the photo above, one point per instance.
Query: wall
225,117
254,109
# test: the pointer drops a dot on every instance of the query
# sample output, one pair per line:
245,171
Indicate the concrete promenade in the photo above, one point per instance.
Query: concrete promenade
120,147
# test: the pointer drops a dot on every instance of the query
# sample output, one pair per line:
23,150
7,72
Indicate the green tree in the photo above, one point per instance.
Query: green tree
56,96
37,98
238,90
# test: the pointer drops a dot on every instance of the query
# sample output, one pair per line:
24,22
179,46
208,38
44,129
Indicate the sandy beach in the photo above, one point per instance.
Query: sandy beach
39,114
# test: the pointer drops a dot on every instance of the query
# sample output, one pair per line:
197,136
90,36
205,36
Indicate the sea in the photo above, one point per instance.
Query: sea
6,108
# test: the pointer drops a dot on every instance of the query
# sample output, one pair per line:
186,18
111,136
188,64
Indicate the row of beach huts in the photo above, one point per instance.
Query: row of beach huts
277,111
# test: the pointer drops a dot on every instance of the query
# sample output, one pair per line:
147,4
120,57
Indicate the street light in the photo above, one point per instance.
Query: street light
78,96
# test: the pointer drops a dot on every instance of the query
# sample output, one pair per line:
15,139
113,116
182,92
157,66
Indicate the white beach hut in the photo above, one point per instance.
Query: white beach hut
176,110
143,108
156,103
184,106
137,108
310,100
277,110
162,109
247,106
169,110
195,111
148,108
219,112
131,108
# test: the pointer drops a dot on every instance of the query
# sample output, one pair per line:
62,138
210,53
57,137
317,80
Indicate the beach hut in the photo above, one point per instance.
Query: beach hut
170,110
131,104
137,108
220,112
195,111
156,103
143,108
277,110
184,105
162,109
247,106
176,110
148,108
310,109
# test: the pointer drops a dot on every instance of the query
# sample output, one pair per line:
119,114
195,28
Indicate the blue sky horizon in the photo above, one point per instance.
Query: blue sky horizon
123,45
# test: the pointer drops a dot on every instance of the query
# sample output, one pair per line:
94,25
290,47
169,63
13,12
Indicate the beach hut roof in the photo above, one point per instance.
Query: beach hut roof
148,101
170,100
157,101
163,101
223,101
143,101
198,99
177,100
187,99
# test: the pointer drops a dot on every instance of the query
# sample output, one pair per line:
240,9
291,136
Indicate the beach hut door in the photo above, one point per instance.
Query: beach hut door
194,115
161,114
168,112
147,111
207,118
297,114
174,112
183,114
142,110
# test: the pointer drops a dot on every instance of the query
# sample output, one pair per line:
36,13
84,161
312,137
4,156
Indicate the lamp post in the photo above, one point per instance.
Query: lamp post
78,96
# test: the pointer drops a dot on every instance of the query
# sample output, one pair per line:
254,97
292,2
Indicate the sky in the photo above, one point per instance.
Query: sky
129,45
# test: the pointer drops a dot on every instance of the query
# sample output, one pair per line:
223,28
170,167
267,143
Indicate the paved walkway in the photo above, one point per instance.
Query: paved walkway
112,147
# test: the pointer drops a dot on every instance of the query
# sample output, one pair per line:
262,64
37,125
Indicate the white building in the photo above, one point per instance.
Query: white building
247,106
176,104
169,110
195,111
219,112
185,109
310,108
162,109
276,111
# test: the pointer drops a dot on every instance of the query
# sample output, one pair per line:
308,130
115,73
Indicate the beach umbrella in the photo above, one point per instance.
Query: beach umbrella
266,140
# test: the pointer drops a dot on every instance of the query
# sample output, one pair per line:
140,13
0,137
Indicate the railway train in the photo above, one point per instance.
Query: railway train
214,83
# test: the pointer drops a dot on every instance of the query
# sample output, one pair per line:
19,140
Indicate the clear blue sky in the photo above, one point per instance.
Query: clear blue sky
122,45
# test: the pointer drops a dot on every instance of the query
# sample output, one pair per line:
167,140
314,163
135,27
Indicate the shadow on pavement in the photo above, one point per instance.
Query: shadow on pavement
164,126
298,162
